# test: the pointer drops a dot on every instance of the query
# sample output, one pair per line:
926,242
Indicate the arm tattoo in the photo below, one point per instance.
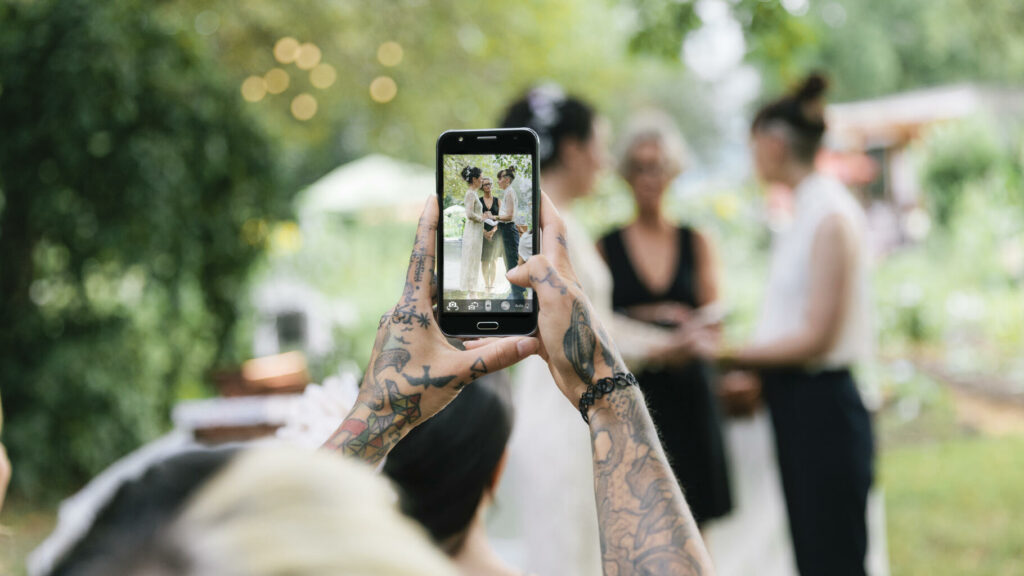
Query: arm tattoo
427,380
579,343
395,358
607,352
371,435
646,527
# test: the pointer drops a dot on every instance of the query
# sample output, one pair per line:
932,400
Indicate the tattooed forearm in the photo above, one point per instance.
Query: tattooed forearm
370,432
646,527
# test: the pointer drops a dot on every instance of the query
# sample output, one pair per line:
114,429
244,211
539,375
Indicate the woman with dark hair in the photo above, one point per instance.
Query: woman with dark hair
490,206
572,154
447,471
814,328
507,225
472,233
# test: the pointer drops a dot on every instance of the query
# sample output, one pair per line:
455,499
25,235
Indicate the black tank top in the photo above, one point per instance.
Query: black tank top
629,290
495,204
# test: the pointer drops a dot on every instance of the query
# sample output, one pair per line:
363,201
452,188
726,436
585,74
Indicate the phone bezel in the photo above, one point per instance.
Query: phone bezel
498,141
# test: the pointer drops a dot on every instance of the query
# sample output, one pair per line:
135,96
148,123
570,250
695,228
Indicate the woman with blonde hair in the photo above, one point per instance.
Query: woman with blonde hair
664,274
263,511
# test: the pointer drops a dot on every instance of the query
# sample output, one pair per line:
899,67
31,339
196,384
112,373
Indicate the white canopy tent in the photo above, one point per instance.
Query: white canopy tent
371,183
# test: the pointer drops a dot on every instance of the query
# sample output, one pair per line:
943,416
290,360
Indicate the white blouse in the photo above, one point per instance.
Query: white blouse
787,295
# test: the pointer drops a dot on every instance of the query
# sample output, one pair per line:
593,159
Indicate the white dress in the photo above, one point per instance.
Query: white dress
472,242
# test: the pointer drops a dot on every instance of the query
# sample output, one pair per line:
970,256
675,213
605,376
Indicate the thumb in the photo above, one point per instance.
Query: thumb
498,354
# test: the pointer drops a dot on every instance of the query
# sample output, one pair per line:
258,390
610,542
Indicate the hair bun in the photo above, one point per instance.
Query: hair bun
812,88
511,169
466,172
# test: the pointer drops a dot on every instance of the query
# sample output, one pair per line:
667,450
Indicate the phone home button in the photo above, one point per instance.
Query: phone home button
486,325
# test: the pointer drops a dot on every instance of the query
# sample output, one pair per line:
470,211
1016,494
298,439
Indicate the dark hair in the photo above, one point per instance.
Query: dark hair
470,172
554,116
802,112
510,172
126,532
444,467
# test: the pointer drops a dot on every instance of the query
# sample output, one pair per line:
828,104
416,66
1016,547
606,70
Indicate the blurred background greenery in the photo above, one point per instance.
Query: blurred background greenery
152,156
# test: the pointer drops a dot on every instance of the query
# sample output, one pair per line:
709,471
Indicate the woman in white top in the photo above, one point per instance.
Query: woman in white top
548,447
473,233
813,329
506,225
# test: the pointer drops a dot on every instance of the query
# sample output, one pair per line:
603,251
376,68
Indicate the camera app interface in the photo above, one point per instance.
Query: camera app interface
488,229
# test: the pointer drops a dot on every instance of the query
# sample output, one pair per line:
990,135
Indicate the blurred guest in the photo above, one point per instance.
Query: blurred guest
263,511
813,329
546,452
473,232
525,246
490,207
665,274
506,224
448,468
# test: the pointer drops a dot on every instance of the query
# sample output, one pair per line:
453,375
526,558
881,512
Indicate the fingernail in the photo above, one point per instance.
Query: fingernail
527,346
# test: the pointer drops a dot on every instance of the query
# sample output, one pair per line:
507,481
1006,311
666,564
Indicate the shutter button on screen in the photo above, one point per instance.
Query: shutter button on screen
486,325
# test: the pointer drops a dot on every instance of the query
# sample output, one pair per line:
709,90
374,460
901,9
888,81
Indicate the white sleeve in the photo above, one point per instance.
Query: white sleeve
470,203
508,202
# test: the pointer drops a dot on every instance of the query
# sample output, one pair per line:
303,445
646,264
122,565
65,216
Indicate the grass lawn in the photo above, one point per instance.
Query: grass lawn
956,507
954,497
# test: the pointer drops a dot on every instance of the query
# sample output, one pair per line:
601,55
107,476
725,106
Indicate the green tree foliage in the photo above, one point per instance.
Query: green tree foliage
955,155
133,183
868,47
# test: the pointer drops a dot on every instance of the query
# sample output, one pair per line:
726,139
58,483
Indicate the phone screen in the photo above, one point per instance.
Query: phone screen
488,229
488,190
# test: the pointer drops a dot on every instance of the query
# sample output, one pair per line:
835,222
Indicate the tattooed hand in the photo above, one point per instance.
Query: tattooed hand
646,527
414,371
573,342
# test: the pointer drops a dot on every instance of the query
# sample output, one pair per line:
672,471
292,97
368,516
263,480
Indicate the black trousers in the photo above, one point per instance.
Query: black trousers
510,238
825,449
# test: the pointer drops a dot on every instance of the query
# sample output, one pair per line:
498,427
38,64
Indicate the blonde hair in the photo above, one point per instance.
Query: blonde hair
276,511
653,125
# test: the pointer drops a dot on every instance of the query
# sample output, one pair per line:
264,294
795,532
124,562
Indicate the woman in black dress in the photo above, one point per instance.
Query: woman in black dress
492,242
664,274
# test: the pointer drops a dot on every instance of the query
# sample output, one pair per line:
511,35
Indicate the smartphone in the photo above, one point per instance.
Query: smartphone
488,187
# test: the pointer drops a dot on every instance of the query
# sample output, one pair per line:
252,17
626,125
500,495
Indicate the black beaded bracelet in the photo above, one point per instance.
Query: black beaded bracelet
596,390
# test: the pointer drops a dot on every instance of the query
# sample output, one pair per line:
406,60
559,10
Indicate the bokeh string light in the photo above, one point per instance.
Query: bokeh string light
308,56
323,76
383,89
304,106
277,80
254,89
390,54
286,49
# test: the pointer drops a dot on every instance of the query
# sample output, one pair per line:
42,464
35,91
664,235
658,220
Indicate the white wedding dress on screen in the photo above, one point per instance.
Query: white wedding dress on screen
472,243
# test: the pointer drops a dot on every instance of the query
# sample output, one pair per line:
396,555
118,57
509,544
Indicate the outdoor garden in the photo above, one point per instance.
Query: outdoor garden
152,155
